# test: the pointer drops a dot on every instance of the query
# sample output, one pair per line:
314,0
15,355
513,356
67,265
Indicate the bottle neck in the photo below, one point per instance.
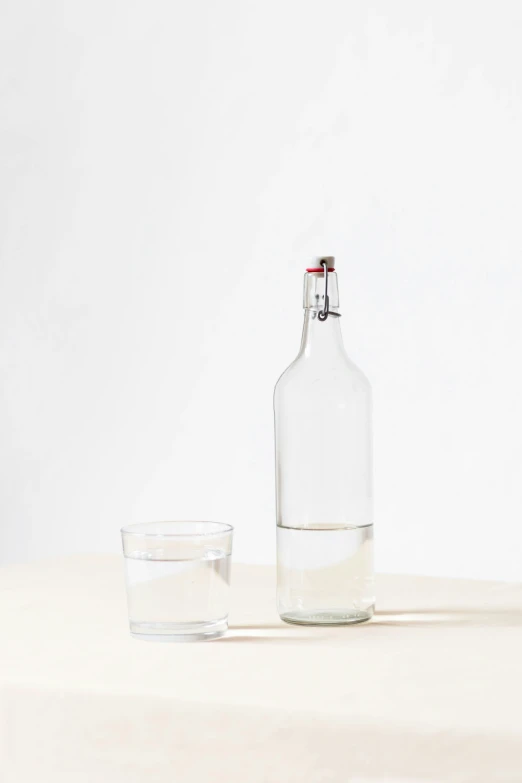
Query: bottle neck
322,337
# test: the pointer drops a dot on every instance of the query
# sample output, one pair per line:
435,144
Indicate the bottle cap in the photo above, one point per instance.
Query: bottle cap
316,267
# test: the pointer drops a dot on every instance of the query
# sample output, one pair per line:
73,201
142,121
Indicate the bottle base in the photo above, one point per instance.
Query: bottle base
327,617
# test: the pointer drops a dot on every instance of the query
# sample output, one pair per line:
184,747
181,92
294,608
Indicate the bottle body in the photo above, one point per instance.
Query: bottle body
322,407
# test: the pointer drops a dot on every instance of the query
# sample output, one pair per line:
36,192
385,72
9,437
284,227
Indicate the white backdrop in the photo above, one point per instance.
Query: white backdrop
167,169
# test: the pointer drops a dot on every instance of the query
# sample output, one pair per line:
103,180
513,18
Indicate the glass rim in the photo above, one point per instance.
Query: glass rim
139,529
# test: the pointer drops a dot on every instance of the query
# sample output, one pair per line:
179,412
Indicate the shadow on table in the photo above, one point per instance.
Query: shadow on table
485,617
479,617
271,633
262,626
262,639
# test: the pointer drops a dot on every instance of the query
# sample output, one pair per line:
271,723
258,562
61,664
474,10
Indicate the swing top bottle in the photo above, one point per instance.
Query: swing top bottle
323,439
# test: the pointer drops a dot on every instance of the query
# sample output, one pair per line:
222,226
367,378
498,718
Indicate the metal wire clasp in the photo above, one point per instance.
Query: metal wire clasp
325,312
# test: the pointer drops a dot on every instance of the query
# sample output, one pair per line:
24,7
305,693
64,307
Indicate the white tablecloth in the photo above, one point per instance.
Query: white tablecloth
430,690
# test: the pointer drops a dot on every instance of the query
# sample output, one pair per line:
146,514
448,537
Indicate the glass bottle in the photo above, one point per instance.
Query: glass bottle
323,438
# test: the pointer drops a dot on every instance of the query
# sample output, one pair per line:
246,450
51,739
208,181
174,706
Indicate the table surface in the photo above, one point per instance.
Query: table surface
429,690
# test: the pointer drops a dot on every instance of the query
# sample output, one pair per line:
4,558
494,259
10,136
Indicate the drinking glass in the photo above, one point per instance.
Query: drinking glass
178,577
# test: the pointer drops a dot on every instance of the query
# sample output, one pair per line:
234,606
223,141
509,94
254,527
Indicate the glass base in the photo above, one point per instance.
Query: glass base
179,632
327,616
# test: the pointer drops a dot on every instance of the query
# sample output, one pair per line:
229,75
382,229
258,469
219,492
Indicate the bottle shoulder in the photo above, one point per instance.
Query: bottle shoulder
341,372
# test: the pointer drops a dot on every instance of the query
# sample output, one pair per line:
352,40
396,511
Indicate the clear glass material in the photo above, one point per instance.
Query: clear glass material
322,406
178,578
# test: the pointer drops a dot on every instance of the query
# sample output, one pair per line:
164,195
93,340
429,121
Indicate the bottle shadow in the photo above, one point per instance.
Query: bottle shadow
421,617
485,617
